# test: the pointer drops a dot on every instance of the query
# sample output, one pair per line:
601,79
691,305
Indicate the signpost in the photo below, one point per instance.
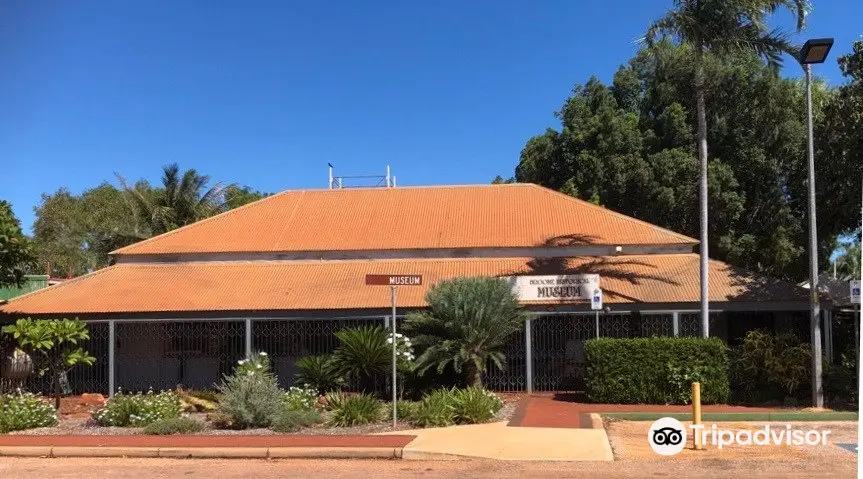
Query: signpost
393,280
855,291
596,305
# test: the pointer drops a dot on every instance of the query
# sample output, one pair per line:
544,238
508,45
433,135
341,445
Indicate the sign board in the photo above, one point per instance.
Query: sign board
569,287
596,300
394,280
855,291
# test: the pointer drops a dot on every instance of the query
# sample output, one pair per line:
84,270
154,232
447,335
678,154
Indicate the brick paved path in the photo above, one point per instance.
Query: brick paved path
562,410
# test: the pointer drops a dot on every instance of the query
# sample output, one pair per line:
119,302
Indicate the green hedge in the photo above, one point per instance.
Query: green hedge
656,370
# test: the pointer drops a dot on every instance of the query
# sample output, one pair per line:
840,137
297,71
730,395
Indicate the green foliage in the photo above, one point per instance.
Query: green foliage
175,425
319,372
474,405
655,370
291,420
251,396
256,363
363,354
16,253
183,199
304,398
138,410
405,410
436,409
468,322
631,147
73,234
25,411
236,196
770,366
840,381
53,345
334,400
357,410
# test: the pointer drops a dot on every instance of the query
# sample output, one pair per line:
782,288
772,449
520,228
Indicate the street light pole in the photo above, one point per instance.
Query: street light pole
813,51
814,305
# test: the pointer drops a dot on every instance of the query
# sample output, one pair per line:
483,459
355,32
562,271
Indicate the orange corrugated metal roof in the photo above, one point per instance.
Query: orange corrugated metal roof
517,215
263,285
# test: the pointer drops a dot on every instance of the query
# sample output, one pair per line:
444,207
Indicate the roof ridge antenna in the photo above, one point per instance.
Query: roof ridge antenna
360,181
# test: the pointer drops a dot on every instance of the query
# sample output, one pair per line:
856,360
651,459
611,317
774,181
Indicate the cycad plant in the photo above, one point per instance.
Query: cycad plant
722,28
363,354
467,325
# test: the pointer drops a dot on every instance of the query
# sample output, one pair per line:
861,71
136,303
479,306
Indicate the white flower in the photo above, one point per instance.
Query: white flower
389,340
262,353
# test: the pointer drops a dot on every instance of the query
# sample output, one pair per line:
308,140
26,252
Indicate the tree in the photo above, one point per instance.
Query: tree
15,249
499,180
467,325
53,344
839,159
73,234
236,196
182,200
722,28
757,171
848,263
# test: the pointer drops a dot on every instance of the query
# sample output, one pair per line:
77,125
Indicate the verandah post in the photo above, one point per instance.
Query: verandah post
248,337
528,357
111,370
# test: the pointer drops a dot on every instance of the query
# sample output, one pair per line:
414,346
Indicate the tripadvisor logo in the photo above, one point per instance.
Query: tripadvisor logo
667,436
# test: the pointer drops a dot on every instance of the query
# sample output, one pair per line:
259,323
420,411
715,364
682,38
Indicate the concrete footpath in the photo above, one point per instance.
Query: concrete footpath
262,447
498,441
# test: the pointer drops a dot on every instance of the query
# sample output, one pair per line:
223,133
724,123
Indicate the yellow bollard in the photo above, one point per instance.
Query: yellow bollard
696,414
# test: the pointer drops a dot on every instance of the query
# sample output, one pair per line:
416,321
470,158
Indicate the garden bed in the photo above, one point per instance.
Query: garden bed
76,420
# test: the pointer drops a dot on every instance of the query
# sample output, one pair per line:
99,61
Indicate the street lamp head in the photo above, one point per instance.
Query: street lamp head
815,50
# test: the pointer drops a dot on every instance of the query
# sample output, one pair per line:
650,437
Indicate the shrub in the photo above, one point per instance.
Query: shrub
300,399
175,425
251,396
320,373
474,405
405,410
138,410
363,354
334,400
840,381
769,367
256,363
435,410
654,370
466,327
357,410
290,420
25,411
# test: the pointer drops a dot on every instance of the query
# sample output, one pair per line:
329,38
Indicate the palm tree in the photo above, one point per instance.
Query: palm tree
468,323
182,200
848,264
722,28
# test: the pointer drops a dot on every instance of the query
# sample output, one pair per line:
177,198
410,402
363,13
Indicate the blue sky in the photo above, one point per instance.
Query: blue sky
266,93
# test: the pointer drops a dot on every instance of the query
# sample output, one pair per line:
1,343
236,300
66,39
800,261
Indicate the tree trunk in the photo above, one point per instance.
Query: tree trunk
473,376
702,162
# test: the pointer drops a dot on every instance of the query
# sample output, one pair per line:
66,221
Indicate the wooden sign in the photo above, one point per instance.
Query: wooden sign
394,280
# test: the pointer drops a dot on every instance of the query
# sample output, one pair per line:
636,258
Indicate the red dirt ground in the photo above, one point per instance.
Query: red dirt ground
562,411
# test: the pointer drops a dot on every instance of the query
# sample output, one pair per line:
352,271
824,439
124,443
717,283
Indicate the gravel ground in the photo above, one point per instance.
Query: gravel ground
85,426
